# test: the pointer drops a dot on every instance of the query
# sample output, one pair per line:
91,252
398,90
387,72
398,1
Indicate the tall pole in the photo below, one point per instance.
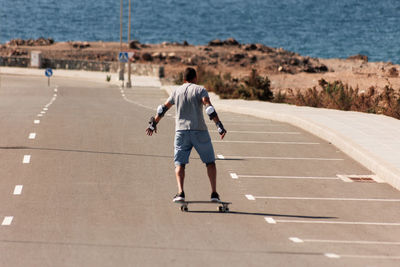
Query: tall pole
129,84
121,65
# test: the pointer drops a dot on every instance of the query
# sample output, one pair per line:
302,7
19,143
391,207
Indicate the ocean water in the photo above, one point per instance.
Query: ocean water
318,28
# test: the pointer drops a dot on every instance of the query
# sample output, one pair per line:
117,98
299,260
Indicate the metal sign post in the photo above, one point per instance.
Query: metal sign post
48,73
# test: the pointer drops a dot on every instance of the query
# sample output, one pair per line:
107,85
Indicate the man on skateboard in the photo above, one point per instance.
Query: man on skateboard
191,130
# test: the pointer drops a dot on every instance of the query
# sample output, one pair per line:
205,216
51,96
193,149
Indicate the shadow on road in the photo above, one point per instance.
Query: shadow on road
264,214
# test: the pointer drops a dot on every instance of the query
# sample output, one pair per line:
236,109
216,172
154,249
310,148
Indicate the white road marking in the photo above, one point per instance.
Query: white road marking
270,220
220,156
372,257
45,109
18,189
287,177
27,159
32,135
248,124
265,142
332,255
283,158
7,220
358,242
250,197
40,115
234,175
336,222
258,132
42,112
36,121
330,199
296,240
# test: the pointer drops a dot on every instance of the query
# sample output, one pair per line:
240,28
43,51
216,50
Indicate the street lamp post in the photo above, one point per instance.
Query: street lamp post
129,84
121,65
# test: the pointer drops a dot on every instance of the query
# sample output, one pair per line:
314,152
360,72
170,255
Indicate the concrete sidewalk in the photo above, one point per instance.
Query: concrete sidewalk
372,140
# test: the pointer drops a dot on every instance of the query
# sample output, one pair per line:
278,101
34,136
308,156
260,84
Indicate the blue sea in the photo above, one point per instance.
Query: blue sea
318,28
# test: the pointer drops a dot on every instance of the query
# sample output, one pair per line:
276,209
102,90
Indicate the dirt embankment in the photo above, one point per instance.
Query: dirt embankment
285,69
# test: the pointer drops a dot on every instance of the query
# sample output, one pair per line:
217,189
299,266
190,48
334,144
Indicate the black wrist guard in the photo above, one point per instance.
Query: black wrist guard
221,129
152,124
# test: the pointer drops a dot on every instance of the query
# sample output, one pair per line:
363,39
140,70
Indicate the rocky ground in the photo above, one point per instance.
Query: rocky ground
285,69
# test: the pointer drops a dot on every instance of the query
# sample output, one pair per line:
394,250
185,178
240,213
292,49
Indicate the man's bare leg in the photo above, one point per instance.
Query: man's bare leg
212,175
180,177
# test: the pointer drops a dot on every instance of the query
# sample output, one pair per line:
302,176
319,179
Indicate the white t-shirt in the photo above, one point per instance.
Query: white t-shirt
189,107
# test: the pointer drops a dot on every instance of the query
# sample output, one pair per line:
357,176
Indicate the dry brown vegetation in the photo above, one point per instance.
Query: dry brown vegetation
333,95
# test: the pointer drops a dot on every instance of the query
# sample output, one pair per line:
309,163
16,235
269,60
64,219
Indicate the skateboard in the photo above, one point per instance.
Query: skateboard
223,206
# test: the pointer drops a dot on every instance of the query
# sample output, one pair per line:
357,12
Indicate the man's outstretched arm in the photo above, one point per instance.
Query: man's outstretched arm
214,116
161,110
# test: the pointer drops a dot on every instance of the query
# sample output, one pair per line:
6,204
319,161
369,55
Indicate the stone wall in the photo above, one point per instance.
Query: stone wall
137,69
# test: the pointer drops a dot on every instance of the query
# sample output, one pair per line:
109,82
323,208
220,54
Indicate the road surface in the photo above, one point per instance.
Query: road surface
82,185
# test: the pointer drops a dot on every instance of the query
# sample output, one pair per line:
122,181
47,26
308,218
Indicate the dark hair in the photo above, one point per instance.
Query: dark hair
189,74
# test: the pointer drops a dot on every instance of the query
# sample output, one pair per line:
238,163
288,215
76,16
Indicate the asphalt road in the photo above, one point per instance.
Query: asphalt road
82,185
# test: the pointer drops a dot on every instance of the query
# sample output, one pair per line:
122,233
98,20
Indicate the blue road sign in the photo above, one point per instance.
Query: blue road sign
48,72
123,57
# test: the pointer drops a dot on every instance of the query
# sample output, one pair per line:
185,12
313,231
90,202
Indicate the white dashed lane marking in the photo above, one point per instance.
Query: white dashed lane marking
7,220
18,189
27,159
32,135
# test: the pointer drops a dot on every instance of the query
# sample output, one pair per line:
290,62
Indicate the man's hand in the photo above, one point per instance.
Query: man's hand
221,129
152,127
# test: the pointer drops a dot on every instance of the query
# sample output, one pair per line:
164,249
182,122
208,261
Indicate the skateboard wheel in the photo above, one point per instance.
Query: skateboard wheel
184,208
221,209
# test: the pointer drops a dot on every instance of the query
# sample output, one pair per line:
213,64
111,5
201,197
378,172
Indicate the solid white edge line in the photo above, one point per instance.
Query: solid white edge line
257,132
27,159
330,199
32,135
18,189
250,197
358,242
283,158
373,257
265,142
332,255
288,177
338,222
296,240
270,220
7,220
234,175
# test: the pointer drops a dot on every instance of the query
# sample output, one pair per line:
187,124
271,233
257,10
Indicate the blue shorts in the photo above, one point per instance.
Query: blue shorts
186,140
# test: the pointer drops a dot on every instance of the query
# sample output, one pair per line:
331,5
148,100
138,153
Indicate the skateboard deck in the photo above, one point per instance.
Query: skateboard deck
223,206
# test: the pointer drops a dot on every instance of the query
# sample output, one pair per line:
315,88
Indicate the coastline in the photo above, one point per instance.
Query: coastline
285,69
